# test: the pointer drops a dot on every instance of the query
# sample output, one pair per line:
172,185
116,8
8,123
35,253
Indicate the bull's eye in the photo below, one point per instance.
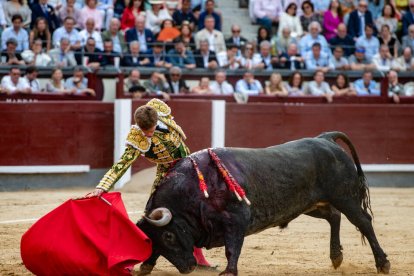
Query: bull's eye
168,238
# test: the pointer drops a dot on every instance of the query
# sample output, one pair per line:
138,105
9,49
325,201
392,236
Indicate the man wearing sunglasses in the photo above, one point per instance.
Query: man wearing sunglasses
358,19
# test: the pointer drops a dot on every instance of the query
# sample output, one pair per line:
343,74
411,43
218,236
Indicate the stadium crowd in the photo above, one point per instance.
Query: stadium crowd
171,35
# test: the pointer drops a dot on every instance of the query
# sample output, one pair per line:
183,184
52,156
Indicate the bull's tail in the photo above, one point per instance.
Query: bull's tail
363,187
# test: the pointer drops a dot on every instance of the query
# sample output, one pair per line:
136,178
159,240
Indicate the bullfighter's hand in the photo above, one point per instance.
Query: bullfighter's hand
96,192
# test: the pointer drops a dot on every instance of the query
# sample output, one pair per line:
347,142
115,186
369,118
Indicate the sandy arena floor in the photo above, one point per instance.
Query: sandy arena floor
300,249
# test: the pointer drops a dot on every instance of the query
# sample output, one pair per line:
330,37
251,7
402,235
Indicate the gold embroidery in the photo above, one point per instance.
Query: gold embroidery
162,108
138,140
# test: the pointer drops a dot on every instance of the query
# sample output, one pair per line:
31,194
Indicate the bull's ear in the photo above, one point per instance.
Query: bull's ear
159,217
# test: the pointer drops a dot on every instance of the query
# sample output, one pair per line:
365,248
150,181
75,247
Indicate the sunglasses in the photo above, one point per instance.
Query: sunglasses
236,31
175,75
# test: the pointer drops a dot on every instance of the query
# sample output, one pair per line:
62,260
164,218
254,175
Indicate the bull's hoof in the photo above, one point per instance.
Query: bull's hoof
385,268
337,261
144,269
228,273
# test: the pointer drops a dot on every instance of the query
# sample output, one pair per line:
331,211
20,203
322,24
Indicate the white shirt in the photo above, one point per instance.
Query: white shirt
153,22
176,87
10,86
84,35
34,84
224,88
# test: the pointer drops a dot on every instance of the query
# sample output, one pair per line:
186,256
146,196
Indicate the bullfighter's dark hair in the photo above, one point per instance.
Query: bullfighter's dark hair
146,117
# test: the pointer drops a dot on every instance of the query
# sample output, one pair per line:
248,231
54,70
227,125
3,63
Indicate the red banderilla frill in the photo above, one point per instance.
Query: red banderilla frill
201,181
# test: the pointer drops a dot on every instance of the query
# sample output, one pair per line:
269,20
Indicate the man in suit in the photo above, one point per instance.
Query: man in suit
358,19
92,56
236,38
116,35
134,57
408,18
344,40
63,56
215,37
43,9
144,36
209,11
108,55
205,58
157,56
408,40
175,83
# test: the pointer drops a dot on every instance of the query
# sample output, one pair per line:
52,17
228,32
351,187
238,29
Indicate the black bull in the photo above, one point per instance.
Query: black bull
312,176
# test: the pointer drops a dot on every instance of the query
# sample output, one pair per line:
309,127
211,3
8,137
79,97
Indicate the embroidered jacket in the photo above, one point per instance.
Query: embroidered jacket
163,148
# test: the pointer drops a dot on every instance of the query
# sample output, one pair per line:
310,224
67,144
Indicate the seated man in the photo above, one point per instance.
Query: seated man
132,80
359,61
109,56
395,89
79,83
369,42
89,56
180,56
383,60
176,84
221,86
205,58
35,56
63,56
291,59
134,57
338,60
249,85
14,83
267,60
157,56
367,86
317,60
157,85
319,87
10,56
31,78
404,62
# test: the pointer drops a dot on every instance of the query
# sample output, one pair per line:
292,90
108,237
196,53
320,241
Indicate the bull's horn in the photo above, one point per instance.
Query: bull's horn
159,217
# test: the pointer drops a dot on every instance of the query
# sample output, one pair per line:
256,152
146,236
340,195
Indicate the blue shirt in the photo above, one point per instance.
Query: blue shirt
21,36
362,90
61,32
254,88
324,60
305,44
371,45
176,59
321,5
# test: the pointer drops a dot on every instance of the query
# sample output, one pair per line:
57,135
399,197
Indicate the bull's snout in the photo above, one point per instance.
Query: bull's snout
188,269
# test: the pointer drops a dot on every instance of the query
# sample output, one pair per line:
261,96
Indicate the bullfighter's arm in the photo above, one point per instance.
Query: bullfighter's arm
119,168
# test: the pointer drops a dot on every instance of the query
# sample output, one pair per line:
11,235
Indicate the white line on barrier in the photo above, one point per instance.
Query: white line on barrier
35,219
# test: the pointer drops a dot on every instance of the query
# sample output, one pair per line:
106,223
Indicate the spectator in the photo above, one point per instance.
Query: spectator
90,11
311,38
70,10
134,57
232,60
106,7
133,80
408,18
17,7
67,31
56,84
342,87
176,84
388,39
91,32
209,11
331,19
291,59
2,19
10,56
249,85
41,31
78,83
14,83
383,60
168,32
275,86
236,38
267,12
404,62
395,89
31,78
203,87
109,56
295,84
249,60
266,61
338,60
63,56
221,86
387,18
359,19
316,60
180,57
157,85
366,85
184,14
17,32
344,40
309,16
130,14
359,61
319,87
321,5
155,16
369,42
187,36
36,57
263,34
157,56
46,11
408,40
141,34
290,20
375,7
89,55
215,37
204,58
116,35
281,43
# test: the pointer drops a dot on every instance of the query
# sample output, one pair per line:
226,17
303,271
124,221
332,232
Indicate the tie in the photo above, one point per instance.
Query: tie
361,25
45,10
249,86
384,61
221,88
